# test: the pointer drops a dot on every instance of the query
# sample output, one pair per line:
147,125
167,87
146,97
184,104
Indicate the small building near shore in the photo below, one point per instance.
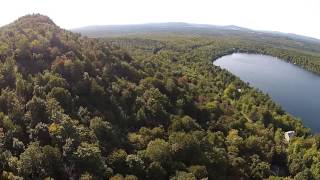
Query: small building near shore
289,135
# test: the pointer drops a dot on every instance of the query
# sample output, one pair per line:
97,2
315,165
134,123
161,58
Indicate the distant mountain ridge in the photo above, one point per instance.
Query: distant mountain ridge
157,25
293,35
270,38
169,26
182,26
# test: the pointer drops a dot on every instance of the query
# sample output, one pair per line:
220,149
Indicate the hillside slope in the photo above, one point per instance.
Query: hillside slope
79,108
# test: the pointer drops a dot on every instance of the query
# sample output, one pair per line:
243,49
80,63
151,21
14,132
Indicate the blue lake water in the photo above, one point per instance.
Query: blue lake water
295,89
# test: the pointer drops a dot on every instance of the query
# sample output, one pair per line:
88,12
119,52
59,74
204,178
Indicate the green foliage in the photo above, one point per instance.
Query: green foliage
135,165
117,160
231,92
180,175
156,171
184,147
37,161
150,107
88,158
158,150
185,124
31,161
198,171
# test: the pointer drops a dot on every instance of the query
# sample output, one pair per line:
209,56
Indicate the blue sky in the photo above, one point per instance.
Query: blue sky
292,16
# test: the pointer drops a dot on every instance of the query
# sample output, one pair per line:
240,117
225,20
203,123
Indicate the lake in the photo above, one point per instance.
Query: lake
295,89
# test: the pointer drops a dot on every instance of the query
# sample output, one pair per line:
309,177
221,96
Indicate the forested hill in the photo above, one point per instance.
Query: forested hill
78,108
299,50
203,30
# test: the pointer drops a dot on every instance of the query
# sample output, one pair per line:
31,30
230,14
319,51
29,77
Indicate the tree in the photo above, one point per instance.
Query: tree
152,107
88,158
7,74
117,160
135,165
259,170
185,147
156,171
185,124
31,162
158,150
36,162
200,172
11,105
84,115
231,92
181,175
63,96
104,132
52,162
131,177
315,170
304,175
37,109
41,133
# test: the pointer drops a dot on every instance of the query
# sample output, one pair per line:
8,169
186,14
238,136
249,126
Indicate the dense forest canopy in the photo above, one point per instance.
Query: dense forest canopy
72,107
300,50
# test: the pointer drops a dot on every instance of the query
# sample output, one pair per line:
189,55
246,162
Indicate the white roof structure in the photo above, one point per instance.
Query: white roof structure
289,135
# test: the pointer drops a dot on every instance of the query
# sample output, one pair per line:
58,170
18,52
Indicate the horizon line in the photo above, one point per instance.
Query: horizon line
184,22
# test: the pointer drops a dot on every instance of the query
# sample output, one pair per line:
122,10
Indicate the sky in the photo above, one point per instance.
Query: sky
290,16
